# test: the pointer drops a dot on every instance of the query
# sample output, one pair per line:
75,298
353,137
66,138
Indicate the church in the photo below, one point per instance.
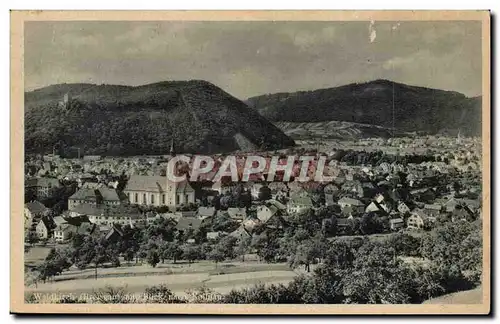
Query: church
158,190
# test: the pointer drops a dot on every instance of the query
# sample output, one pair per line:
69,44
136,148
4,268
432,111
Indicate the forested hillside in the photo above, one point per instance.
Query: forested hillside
415,108
124,120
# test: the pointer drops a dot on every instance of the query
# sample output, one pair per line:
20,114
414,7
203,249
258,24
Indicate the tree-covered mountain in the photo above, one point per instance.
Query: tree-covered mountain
415,108
126,120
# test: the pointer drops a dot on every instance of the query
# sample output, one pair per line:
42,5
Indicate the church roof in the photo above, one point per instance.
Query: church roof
146,183
155,184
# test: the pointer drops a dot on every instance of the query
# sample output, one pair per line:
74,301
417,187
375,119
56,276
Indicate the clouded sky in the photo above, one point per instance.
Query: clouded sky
253,58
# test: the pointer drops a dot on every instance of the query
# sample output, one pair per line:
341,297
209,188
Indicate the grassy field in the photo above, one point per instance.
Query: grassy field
36,255
178,277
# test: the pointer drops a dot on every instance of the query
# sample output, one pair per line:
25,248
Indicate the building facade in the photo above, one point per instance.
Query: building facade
158,191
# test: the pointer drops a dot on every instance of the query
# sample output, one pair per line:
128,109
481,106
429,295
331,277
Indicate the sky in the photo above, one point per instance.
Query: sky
253,58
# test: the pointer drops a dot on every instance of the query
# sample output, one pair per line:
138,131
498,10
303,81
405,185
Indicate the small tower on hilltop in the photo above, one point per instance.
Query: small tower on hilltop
172,149
459,138
66,101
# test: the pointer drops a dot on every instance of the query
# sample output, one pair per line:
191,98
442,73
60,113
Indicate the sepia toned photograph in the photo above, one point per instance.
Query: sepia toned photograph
250,162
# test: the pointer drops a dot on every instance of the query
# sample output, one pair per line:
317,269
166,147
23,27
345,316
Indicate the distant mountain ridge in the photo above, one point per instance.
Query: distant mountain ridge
416,109
125,120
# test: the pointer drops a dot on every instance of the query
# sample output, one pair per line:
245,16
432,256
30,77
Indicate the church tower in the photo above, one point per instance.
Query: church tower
172,149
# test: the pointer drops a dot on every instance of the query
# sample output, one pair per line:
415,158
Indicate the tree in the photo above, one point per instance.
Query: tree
340,254
266,246
191,253
94,252
330,226
222,222
305,254
243,246
368,224
153,258
405,244
226,246
172,251
31,237
217,255
129,255
264,193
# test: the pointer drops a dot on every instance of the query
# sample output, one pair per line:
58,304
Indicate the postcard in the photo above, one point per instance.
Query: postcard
250,162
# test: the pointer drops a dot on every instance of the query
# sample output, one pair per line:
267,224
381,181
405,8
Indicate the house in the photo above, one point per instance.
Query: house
95,197
354,187
63,232
378,206
205,212
58,220
403,208
277,204
44,228
249,224
223,187
238,214
330,199
188,223
278,189
158,191
298,204
114,234
419,220
152,217
424,195
41,188
474,205
265,212
33,211
215,235
91,158
355,205
331,189
462,213
187,213
173,216
396,224
240,233
433,209
107,215
86,228
343,224
84,196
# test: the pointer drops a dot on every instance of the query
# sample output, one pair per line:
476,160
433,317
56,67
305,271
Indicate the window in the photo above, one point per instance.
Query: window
144,199
186,199
163,199
152,199
177,199
136,198
128,196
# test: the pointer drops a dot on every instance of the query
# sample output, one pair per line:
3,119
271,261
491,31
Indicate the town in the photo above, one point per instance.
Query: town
130,208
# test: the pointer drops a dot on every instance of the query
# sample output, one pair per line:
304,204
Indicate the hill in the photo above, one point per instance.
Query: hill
126,120
416,109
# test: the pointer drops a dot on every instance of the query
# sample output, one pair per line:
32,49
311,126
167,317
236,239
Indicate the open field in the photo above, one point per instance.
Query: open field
36,255
178,277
